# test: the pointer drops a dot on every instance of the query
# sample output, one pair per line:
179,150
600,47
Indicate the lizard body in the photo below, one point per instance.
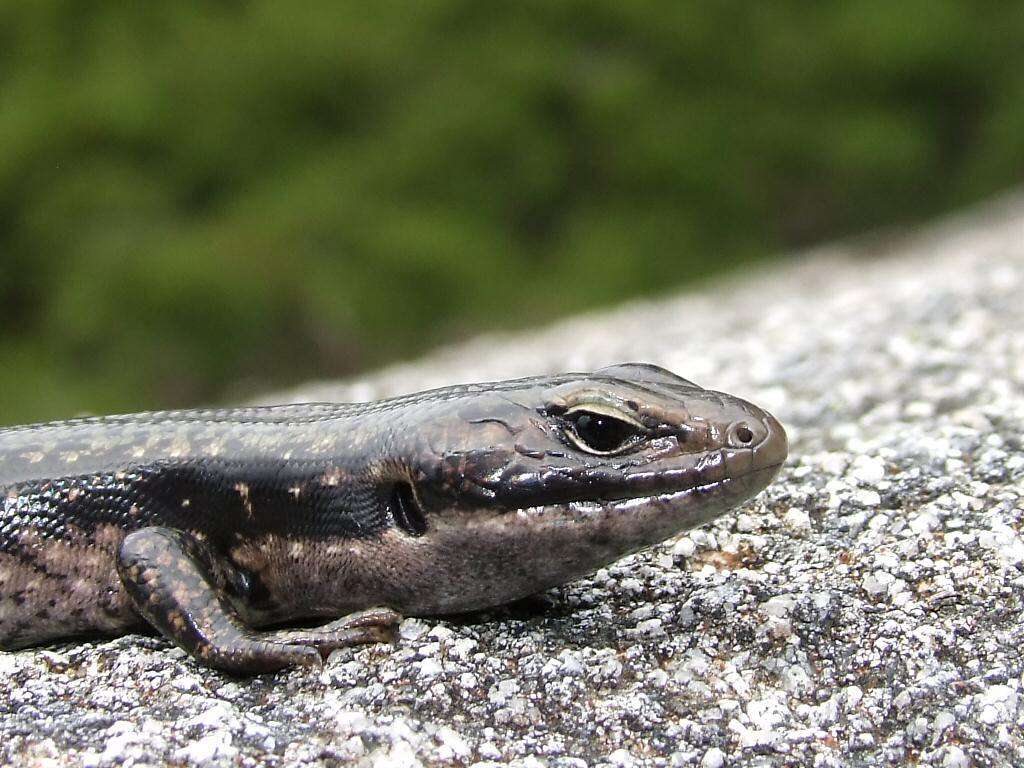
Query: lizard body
211,524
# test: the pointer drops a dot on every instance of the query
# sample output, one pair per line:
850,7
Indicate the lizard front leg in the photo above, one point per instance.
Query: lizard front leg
176,582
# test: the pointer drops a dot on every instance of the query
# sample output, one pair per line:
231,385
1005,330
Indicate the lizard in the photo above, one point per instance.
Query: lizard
219,527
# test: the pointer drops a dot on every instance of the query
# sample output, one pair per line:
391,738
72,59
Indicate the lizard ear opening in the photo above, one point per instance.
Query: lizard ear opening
406,510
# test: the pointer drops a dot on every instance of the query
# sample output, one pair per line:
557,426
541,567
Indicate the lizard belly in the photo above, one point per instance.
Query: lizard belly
58,587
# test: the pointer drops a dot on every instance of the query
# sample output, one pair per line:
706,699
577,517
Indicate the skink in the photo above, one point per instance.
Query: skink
212,525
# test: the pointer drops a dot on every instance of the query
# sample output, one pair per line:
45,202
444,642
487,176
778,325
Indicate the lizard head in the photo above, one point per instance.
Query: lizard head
509,488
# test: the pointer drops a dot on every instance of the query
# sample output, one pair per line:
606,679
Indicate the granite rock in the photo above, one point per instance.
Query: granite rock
866,609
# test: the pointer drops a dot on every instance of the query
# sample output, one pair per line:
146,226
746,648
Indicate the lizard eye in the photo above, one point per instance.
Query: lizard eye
601,429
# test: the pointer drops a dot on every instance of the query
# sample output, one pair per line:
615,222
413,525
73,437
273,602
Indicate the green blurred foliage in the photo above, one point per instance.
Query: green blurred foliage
199,199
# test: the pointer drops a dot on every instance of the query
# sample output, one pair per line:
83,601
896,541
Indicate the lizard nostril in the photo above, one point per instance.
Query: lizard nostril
742,435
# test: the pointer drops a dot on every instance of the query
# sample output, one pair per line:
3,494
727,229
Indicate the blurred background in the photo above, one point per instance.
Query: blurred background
202,200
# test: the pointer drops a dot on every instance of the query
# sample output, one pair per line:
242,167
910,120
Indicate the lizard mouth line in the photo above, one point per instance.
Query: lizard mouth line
590,506
412,518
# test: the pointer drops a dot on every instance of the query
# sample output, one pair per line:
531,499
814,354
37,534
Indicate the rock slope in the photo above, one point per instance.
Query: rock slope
865,610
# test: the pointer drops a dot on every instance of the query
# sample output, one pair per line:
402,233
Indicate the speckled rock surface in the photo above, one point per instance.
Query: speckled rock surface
865,610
